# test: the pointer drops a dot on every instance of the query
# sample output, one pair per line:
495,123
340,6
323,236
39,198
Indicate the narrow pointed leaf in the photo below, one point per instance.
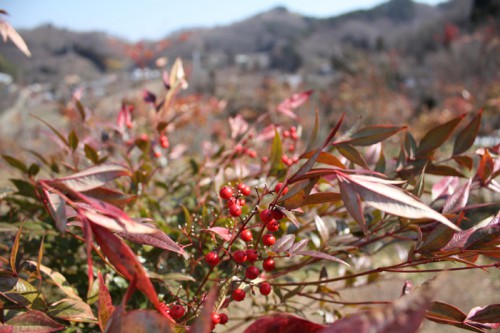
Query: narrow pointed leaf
72,310
14,250
298,246
370,135
321,255
138,321
325,158
73,140
351,154
465,138
394,200
111,196
283,323
34,322
291,217
220,231
298,193
284,243
489,315
275,156
55,131
322,197
59,280
157,239
56,207
437,136
322,229
352,202
14,162
458,199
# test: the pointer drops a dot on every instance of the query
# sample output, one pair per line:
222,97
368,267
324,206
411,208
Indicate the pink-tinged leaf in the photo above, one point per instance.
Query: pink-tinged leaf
393,200
8,32
458,199
124,118
34,322
138,321
116,223
322,197
203,323
325,158
177,75
321,255
220,231
488,316
370,135
444,188
447,314
437,136
351,154
485,235
90,178
148,96
458,240
405,315
437,239
291,217
71,309
105,308
352,202
110,196
465,138
157,239
58,279
56,207
322,229
125,262
298,193
298,246
238,126
284,243
283,323
311,161
292,103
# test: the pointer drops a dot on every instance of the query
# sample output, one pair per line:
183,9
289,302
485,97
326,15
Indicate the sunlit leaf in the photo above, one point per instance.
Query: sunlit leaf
72,310
322,197
220,231
14,250
321,255
465,138
8,32
352,202
488,315
56,206
275,156
458,199
284,243
59,280
34,322
283,323
298,193
370,135
105,308
351,154
322,228
434,138
325,158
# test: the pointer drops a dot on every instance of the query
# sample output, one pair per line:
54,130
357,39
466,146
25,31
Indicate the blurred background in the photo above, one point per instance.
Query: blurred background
399,60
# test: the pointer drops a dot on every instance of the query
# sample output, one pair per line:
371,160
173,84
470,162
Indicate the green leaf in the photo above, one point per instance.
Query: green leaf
437,136
21,292
58,279
24,188
73,140
351,154
72,310
370,135
465,138
275,158
14,250
91,154
14,162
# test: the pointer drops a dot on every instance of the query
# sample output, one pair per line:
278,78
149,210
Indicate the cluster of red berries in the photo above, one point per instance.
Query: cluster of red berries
291,136
219,318
242,149
235,203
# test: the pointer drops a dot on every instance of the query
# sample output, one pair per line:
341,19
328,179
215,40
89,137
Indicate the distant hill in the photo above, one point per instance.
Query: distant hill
289,40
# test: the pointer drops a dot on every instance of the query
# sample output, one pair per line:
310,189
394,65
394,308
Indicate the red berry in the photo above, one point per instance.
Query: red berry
252,153
286,134
177,311
244,189
265,288
277,214
266,216
231,201
294,136
241,202
239,295
273,225
223,318
226,192
240,256
246,235
252,272
252,255
157,154
268,240
164,142
268,264
215,318
278,187
212,258
235,210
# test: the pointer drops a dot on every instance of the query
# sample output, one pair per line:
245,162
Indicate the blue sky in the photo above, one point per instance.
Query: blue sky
154,19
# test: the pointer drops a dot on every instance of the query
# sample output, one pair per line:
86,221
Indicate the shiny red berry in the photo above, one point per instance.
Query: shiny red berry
252,272
240,256
266,216
265,288
246,235
252,255
278,187
177,311
268,264
268,239
226,192
212,258
273,225
239,295
231,201
244,189
223,318
241,202
235,210
215,318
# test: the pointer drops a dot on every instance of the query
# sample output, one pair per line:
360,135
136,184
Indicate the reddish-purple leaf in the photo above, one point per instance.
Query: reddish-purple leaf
321,255
465,138
370,135
434,138
105,307
284,243
393,200
90,178
148,96
71,309
437,239
138,321
352,202
442,170
458,199
34,322
115,223
113,197
486,167
291,217
283,323
292,103
325,158
298,193
322,229
125,262
220,231
485,235
405,315
447,314
56,207
322,197
489,316
351,154
464,161
444,188
298,246
458,240
157,239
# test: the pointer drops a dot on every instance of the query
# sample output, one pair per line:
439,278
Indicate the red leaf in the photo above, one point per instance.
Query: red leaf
488,316
465,138
222,232
157,239
106,307
138,321
204,322
34,322
437,136
90,178
370,135
293,102
283,323
325,158
321,255
113,197
352,202
56,206
125,262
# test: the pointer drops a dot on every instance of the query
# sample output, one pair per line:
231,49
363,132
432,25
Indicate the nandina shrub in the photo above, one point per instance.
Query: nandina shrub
266,216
